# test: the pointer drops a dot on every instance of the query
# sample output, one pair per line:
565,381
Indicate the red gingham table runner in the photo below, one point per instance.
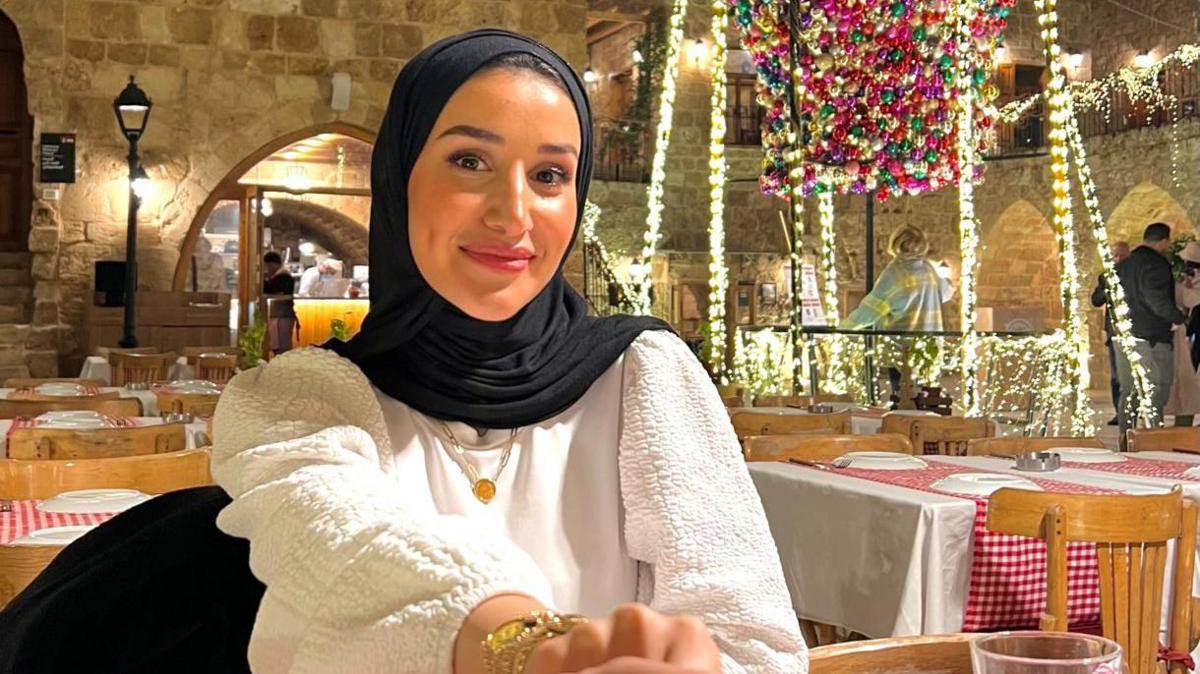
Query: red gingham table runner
1169,470
25,517
1008,573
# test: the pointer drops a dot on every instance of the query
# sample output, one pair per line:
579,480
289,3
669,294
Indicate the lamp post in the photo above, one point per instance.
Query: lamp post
133,111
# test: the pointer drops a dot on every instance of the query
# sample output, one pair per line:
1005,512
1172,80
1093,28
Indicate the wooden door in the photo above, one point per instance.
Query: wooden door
16,139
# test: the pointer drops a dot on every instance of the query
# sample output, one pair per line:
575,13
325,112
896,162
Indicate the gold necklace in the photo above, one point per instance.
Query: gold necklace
483,488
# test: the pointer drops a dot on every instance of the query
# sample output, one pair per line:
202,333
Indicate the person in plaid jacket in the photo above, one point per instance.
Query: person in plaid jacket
910,292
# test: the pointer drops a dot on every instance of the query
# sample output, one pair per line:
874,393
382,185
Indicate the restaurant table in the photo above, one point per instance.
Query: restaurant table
149,400
97,367
863,421
190,430
886,560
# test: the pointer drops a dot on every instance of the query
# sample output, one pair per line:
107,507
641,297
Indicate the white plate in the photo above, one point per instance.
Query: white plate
1088,454
69,390
93,501
193,383
71,414
982,484
57,536
883,461
1193,472
72,423
913,413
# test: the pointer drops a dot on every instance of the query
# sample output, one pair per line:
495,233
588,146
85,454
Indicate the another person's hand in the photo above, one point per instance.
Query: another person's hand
634,639
1178,326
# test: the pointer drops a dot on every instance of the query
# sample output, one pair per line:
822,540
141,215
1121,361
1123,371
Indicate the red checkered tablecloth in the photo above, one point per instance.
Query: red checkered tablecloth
1169,470
25,517
1008,573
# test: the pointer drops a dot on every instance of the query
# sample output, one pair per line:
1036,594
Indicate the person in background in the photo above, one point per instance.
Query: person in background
1184,402
1150,292
278,289
1119,251
908,295
312,278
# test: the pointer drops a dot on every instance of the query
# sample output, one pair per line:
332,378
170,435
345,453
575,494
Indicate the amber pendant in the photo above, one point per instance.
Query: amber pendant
485,490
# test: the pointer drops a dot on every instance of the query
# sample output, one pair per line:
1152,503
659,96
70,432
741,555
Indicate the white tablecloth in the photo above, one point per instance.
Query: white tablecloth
885,560
190,429
97,367
149,400
860,424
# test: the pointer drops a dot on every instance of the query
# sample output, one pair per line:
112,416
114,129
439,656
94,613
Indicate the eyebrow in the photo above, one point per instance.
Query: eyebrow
492,137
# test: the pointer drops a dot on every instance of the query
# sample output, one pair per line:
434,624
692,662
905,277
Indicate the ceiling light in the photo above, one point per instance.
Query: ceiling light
589,75
1143,60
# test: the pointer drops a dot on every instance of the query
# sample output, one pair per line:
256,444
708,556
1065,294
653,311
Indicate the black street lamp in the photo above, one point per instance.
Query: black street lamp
133,111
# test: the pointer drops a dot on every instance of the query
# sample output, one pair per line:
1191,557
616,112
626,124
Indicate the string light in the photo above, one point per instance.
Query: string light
834,381
718,273
658,172
591,215
1118,309
1059,101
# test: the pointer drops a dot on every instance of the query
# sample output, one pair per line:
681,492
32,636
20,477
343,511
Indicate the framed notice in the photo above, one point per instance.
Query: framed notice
56,152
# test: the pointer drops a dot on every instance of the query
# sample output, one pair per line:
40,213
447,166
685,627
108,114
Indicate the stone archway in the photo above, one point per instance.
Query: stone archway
345,238
1144,204
1019,267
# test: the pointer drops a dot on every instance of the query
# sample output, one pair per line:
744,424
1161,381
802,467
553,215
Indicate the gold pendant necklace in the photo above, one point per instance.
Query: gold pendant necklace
483,488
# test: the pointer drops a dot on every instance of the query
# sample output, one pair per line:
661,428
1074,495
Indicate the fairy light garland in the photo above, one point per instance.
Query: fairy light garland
835,379
718,273
968,226
640,271
587,230
1060,115
1118,309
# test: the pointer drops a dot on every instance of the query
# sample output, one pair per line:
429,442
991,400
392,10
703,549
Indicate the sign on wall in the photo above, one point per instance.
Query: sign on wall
57,154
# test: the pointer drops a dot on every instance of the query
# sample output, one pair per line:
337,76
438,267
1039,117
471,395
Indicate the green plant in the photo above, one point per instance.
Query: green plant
1177,263
252,342
339,330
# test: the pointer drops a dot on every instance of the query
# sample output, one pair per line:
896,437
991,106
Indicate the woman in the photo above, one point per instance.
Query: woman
1184,402
483,449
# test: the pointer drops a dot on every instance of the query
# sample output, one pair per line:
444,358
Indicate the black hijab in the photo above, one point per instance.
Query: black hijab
417,347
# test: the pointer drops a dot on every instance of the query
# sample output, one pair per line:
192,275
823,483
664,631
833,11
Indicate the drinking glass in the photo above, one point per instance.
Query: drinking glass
1045,653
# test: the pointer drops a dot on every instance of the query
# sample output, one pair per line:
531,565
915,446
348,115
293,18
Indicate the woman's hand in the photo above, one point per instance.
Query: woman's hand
634,639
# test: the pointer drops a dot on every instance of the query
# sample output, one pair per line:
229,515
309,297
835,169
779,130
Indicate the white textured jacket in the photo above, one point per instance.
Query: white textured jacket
361,580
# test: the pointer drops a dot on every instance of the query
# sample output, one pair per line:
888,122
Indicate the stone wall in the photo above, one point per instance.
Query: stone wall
226,77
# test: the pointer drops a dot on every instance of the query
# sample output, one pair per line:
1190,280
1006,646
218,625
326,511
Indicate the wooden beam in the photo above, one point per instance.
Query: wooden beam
605,32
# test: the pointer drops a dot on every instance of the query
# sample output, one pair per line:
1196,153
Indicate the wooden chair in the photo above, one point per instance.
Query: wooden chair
1163,439
98,443
139,368
1011,446
801,401
947,436
747,422
115,407
820,447
198,404
949,654
20,564
30,382
193,353
1131,535
22,479
217,369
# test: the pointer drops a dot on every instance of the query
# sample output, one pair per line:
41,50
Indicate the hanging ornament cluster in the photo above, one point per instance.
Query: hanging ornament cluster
766,37
883,80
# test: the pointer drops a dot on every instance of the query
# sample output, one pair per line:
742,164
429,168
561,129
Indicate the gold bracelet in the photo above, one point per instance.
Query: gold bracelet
507,648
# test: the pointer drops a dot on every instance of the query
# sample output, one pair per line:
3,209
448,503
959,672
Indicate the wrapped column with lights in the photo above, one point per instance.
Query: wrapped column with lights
718,272
640,271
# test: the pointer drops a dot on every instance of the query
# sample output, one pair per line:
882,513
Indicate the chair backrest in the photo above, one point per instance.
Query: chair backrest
115,407
192,353
139,368
30,382
948,436
1131,535
1163,439
215,368
20,564
747,422
151,474
98,443
802,401
1015,445
821,446
198,404
106,351
949,654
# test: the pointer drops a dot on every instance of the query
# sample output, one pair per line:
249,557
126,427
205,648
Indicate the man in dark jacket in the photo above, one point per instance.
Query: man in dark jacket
1120,251
1150,292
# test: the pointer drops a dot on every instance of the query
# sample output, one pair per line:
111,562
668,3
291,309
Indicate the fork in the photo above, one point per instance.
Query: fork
841,462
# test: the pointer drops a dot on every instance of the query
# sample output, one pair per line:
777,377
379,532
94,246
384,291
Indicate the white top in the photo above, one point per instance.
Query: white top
373,549
309,279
